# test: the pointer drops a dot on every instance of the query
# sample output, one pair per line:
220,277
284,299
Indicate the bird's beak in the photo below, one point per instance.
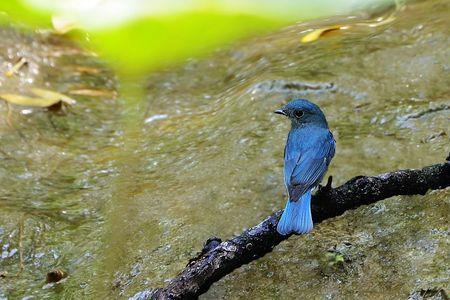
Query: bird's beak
280,112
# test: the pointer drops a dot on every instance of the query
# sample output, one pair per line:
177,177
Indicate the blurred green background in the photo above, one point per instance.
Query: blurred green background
139,35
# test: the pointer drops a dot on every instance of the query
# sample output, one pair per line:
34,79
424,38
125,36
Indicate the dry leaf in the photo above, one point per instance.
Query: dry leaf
27,101
317,33
51,95
45,98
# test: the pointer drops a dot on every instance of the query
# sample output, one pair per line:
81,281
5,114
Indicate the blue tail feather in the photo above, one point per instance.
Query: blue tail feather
296,216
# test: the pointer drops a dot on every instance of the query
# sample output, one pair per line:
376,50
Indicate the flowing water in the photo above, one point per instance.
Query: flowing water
123,188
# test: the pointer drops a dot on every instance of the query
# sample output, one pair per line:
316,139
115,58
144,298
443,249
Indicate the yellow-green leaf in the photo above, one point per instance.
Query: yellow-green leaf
53,96
45,98
317,33
28,101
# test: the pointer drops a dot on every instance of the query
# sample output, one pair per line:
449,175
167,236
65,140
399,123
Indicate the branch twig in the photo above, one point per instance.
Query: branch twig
218,258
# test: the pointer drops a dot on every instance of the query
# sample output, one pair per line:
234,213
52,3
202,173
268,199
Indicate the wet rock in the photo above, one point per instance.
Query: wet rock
431,294
434,136
144,295
426,112
291,87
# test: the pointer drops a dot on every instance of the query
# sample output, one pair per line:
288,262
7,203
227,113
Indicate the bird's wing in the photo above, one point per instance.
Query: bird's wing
292,153
311,165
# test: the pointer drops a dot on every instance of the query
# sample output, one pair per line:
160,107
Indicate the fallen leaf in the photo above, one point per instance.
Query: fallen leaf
317,33
51,95
320,32
27,101
45,98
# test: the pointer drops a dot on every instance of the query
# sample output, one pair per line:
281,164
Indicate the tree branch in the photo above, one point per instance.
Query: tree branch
218,258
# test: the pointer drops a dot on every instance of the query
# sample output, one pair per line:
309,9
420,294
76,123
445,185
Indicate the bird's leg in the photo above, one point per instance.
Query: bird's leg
326,188
210,244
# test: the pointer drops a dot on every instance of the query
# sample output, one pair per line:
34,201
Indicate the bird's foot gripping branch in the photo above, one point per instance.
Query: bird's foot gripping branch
219,258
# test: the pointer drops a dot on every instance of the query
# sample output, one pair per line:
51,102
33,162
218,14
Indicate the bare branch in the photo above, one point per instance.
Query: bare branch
218,258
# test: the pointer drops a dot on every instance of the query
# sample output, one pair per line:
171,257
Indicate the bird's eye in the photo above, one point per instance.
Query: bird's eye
298,114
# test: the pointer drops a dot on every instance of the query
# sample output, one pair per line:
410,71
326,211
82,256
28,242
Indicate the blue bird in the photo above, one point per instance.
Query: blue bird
309,149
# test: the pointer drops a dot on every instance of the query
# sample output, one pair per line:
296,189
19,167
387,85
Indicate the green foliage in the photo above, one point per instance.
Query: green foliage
149,43
155,33
23,13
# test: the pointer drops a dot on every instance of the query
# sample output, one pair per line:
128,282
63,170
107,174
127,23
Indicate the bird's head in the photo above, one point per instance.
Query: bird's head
302,112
